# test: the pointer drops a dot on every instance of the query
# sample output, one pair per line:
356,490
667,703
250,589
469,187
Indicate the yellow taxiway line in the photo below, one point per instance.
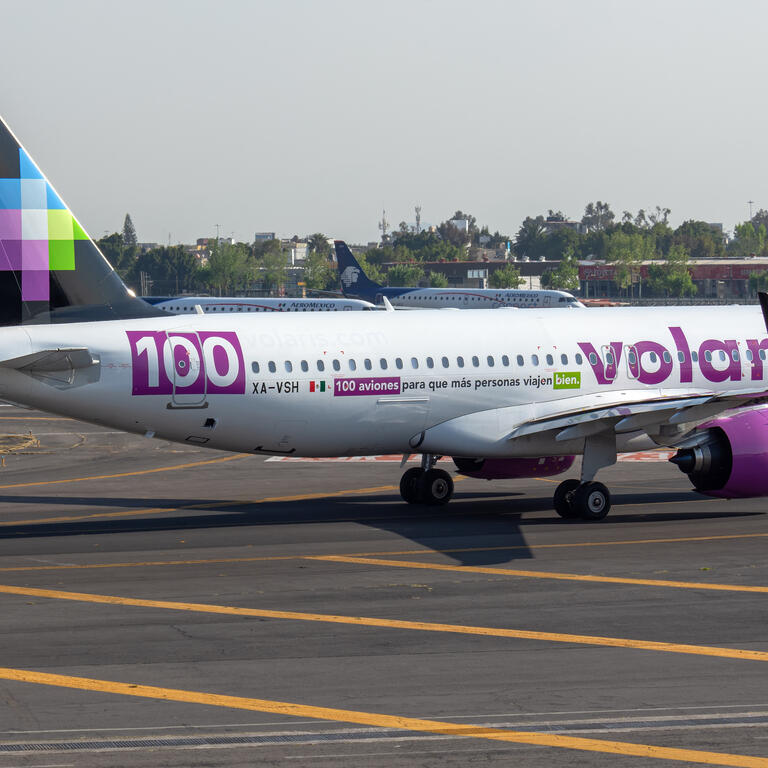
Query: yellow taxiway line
366,621
536,574
384,721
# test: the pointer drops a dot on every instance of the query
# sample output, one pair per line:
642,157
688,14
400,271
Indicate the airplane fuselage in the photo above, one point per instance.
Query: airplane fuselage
319,385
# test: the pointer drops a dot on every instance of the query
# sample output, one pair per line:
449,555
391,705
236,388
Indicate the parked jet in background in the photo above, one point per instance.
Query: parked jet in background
354,282
507,394
187,304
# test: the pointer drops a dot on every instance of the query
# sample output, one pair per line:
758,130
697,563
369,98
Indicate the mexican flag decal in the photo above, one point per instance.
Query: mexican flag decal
317,386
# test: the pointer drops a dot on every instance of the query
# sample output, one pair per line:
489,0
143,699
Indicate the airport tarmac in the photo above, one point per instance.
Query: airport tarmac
166,606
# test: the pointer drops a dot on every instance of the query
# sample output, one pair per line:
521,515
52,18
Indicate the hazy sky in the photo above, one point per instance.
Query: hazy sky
299,116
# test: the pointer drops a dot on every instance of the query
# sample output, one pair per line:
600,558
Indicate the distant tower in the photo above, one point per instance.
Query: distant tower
418,219
384,227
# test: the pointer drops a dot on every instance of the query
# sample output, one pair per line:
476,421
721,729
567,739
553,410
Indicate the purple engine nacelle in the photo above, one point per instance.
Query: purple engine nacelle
731,462
510,469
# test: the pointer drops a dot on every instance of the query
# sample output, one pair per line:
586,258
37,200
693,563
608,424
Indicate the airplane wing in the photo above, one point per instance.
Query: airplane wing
649,415
48,360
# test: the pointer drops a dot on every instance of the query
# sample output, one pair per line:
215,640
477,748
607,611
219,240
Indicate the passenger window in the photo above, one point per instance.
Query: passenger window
735,355
414,362
272,367
708,356
320,365
367,364
695,357
383,363
520,361
352,365
762,354
304,365
723,356
667,357
475,361
444,361
749,355
398,363
609,358
288,366
255,367
430,363
336,365
681,356
652,356
490,361
534,359
563,359
460,361
632,357
592,358
579,359
550,360
505,361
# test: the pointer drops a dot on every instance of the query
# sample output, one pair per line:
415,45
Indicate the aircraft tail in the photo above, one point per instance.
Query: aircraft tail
354,281
50,269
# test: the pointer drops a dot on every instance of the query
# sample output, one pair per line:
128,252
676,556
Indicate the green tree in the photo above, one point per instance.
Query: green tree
319,272
437,280
405,275
530,239
565,277
672,277
598,216
700,239
506,277
748,240
318,243
129,231
627,252
122,258
228,265
273,270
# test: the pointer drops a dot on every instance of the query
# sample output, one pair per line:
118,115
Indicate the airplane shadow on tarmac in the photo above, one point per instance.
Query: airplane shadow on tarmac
474,522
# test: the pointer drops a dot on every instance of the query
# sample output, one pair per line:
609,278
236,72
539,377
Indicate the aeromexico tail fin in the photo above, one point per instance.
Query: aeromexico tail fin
354,281
50,269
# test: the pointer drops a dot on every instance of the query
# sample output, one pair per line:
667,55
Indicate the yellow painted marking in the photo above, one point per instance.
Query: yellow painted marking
383,721
126,474
367,621
390,553
34,418
537,574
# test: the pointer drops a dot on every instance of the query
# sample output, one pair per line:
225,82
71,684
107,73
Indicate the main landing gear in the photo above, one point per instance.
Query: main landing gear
425,484
587,499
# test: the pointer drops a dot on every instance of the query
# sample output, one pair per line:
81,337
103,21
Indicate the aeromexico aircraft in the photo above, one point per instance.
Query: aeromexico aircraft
188,304
354,282
508,394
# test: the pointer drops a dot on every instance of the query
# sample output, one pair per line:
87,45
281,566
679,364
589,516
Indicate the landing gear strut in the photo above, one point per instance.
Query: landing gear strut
588,499
425,484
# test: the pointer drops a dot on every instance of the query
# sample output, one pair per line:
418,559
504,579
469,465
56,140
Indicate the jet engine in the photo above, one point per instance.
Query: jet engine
510,469
728,457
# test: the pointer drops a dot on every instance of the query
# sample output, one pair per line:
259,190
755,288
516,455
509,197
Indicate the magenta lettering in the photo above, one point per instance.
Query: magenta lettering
710,350
604,372
686,366
756,347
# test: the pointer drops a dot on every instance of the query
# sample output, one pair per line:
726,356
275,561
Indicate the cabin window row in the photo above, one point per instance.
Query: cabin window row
413,363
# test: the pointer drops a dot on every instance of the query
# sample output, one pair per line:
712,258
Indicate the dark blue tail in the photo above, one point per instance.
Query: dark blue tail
354,282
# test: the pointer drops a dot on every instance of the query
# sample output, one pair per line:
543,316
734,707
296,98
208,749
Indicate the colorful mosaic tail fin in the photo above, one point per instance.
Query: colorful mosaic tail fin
50,270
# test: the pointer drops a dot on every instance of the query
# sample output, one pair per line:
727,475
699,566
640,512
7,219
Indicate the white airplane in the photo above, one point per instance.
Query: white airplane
354,282
188,304
508,394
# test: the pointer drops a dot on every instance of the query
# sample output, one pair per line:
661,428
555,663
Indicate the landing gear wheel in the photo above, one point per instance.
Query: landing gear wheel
563,499
409,485
592,501
436,487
